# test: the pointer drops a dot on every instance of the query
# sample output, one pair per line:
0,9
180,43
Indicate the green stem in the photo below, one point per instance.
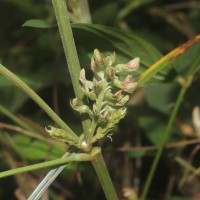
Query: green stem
99,104
73,157
61,13
64,26
104,177
24,87
187,166
166,135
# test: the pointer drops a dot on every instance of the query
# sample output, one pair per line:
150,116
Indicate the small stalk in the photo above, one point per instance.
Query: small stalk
104,177
61,13
166,135
61,161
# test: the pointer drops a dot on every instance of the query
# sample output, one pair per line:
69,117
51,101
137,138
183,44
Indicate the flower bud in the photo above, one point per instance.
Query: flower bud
94,109
110,59
74,102
128,85
105,114
133,65
87,84
98,57
93,64
109,71
82,76
130,66
90,94
123,100
117,94
81,109
62,135
120,67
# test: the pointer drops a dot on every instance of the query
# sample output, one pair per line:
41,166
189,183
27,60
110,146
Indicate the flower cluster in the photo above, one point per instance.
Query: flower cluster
107,93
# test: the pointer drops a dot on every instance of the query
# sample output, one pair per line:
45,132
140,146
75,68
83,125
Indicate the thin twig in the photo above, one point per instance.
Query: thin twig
168,146
29,133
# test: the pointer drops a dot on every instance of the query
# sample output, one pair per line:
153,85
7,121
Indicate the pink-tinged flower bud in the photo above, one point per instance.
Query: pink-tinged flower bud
82,76
133,64
93,64
128,85
87,85
130,66
129,78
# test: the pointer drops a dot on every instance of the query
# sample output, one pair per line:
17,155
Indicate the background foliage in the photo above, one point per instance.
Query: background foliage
147,29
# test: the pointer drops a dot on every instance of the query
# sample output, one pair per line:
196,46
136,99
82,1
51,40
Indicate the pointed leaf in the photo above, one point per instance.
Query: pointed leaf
126,45
38,23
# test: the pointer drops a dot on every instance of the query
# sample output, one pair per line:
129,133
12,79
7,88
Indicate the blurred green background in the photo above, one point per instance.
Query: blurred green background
144,28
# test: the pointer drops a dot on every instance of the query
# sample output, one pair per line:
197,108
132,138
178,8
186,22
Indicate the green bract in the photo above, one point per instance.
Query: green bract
107,94
63,136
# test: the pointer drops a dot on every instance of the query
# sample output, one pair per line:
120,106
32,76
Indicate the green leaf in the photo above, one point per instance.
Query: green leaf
38,23
161,96
107,39
36,150
153,127
151,122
